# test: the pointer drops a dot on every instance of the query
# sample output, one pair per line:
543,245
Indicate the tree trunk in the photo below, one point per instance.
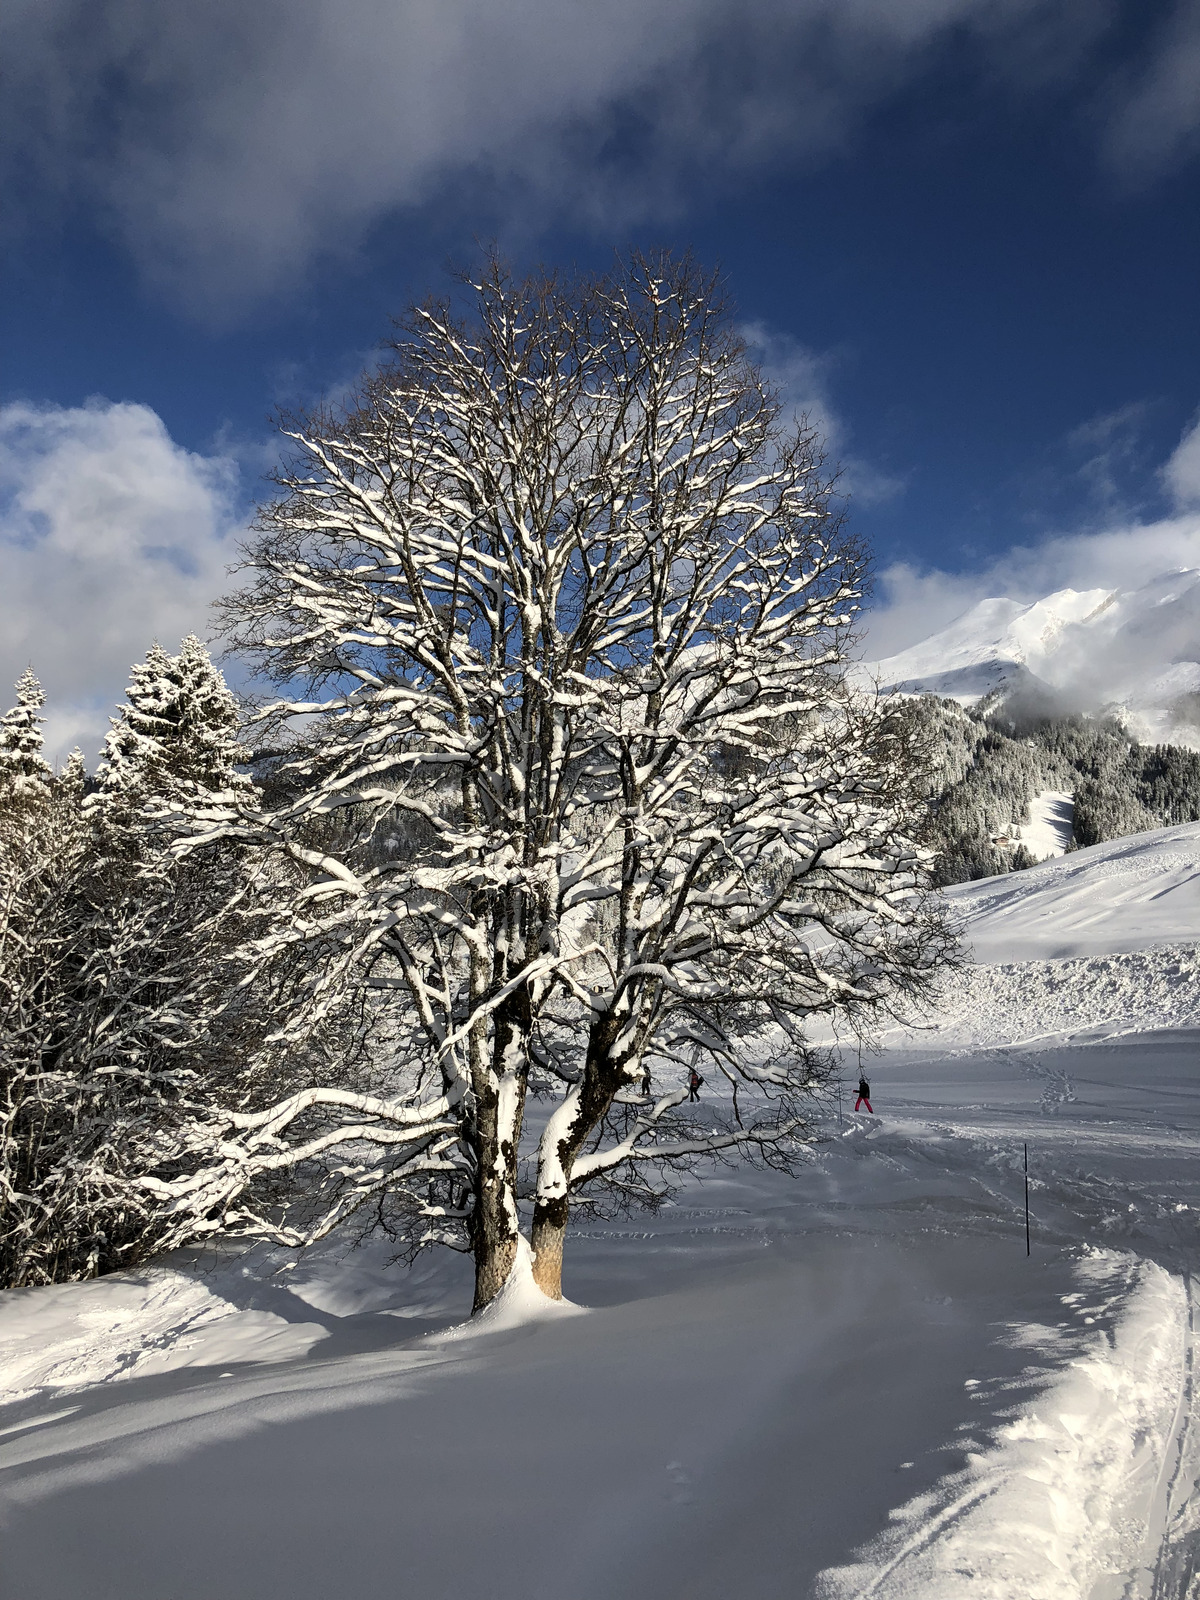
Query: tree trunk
584,1109
549,1229
501,1104
494,1257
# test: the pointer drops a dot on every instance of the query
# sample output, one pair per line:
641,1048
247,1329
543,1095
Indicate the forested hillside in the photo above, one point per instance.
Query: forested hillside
986,765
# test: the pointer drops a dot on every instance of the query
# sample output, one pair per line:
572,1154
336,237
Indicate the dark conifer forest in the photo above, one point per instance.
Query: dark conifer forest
988,763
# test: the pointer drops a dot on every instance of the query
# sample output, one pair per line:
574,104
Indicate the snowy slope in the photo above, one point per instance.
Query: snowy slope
843,1384
995,643
1049,830
1136,651
1095,944
1127,894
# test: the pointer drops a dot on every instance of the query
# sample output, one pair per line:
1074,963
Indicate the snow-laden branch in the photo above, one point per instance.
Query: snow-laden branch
576,792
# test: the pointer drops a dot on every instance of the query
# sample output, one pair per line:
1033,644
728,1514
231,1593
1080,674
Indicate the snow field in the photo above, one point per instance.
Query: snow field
847,1383
1048,831
1129,894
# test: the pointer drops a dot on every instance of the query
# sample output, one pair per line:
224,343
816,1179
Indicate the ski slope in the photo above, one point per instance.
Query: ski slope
1135,893
845,1384
1050,828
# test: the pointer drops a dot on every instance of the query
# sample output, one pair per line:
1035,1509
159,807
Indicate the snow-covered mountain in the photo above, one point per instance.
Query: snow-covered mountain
1134,651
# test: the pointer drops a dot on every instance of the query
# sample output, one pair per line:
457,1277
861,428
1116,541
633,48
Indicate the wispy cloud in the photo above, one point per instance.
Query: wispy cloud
803,379
1155,108
231,144
111,535
1181,473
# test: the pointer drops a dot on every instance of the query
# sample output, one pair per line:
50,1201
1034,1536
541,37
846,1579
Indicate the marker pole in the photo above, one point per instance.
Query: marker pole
1027,1248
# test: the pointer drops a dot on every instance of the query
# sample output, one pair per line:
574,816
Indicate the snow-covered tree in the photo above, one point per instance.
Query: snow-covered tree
44,936
986,765
579,800
107,946
176,734
160,922
24,773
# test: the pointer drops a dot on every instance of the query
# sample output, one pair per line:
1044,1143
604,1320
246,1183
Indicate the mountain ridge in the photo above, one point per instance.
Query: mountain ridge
1134,653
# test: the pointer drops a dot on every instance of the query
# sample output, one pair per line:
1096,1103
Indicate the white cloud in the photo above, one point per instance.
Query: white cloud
1156,117
913,604
111,535
1181,474
802,379
231,143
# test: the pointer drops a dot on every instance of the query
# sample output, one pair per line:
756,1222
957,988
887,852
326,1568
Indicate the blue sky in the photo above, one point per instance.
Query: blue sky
963,233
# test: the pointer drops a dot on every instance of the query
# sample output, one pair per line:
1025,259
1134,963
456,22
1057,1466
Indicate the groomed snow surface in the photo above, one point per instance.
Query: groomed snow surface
846,1384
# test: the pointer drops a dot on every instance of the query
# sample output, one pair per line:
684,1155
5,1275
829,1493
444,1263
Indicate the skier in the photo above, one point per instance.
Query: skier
694,1082
864,1094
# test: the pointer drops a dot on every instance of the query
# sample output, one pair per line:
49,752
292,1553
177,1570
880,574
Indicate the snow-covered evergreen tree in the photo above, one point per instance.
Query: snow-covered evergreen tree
107,949
986,765
24,773
174,741
176,736
581,799
49,1226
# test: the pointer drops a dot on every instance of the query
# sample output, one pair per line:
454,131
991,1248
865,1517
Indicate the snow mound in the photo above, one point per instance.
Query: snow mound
1064,1495
70,1336
518,1303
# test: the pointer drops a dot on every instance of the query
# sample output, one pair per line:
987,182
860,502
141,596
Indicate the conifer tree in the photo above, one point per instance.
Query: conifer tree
173,742
175,738
49,1226
23,770
107,945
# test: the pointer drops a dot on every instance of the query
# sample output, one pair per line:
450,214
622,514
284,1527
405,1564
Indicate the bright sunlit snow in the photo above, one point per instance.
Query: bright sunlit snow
1129,651
1048,831
852,1383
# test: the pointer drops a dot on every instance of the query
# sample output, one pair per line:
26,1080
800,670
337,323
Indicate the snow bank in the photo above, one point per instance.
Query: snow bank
1061,1499
1090,998
1091,944
70,1336
519,1302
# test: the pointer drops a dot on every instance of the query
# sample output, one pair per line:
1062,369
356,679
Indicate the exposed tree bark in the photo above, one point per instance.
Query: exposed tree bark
495,1222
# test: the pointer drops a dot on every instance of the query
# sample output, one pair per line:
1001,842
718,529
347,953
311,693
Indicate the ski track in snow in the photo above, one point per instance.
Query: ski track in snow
1066,1496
